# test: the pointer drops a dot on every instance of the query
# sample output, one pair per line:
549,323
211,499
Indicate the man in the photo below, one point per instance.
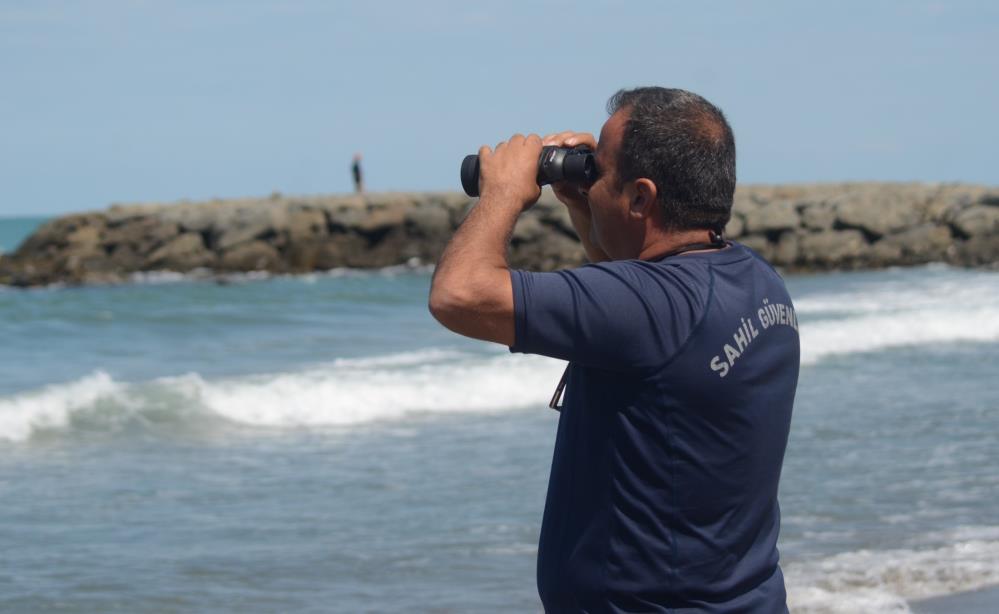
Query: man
355,170
683,355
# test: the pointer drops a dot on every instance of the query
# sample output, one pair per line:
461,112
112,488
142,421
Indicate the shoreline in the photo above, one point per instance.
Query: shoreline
980,601
222,278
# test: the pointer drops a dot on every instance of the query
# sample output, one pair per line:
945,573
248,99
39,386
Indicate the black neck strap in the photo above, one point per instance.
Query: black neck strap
716,242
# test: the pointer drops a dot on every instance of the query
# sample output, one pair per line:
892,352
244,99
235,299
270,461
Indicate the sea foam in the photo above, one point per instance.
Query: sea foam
344,392
882,581
895,314
53,406
883,330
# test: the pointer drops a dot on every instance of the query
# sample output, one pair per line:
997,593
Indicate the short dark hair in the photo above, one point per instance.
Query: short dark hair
683,144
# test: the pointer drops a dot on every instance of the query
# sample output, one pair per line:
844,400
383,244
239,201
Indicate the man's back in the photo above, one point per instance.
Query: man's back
663,490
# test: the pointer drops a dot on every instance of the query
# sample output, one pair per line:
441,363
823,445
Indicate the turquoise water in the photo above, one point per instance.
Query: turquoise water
319,443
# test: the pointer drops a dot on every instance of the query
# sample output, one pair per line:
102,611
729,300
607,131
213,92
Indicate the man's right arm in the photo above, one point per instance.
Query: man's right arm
575,201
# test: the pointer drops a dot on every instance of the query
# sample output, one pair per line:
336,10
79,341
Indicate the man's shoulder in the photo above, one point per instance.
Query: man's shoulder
758,258
642,275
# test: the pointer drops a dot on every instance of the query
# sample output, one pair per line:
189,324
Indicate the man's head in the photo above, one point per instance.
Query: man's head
666,146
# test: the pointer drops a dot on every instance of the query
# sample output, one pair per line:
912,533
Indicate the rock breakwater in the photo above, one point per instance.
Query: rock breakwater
797,227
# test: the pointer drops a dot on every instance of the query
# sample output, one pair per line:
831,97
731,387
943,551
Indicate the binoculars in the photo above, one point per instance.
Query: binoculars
555,164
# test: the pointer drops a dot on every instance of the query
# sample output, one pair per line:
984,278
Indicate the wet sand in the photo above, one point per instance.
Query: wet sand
984,601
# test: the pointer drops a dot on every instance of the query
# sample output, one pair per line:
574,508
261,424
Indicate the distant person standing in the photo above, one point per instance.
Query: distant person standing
358,178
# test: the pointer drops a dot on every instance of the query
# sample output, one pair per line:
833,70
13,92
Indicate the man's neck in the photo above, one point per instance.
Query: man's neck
673,241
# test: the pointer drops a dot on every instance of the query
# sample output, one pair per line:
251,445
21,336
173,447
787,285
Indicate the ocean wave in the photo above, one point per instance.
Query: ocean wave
52,407
343,393
897,314
974,289
888,580
880,331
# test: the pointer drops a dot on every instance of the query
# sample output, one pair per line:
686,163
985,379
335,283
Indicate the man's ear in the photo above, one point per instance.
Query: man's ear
644,196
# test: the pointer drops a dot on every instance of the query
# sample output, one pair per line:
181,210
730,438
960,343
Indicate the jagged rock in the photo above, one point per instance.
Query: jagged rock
118,214
528,229
304,256
785,252
818,216
142,233
84,238
772,217
800,227
335,254
182,253
124,257
735,227
947,201
305,224
429,220
877,212
380,217
203,218
552,251
884,249
978,220
253,223
79,229
924,243
759,244
978,250
832,247
252,256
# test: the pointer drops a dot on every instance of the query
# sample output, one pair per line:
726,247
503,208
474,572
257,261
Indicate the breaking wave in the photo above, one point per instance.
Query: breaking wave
897,314
342,393
879,316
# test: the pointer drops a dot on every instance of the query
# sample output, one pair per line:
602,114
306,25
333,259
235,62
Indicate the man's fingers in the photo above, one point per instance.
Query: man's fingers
519,140
554,138
569,138
563,188
581,138
557,138
485,151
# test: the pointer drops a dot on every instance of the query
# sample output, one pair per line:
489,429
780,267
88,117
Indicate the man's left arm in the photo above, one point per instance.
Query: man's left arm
471,292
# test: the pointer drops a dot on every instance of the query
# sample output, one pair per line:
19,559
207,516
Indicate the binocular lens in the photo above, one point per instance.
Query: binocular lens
470,175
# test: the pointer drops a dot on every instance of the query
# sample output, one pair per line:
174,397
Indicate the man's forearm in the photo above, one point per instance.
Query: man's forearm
478,247
471,292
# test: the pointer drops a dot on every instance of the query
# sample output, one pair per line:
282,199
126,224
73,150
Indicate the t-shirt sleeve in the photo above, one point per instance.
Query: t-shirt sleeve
619,316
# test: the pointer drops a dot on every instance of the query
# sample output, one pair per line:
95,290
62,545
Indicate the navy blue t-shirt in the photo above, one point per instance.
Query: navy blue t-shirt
663,488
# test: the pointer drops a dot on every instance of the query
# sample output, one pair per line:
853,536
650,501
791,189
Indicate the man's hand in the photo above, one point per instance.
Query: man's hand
471,292
511,172
575,199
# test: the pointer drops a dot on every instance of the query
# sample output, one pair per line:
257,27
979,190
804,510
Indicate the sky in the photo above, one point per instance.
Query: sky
109,101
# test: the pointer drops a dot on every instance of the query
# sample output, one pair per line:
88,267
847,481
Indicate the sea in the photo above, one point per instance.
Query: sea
318,443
